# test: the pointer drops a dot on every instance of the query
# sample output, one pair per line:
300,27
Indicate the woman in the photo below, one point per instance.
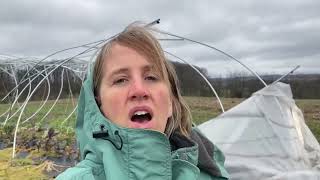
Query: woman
132,122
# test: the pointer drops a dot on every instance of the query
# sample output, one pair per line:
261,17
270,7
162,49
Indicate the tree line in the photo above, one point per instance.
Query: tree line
235,85
71,84
242,85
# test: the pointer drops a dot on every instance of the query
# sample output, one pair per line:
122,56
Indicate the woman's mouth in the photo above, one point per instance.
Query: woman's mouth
141,117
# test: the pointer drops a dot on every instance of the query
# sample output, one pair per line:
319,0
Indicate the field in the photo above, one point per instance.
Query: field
61,141
202,109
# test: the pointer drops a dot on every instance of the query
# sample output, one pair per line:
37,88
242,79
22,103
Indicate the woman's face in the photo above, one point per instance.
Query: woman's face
131,94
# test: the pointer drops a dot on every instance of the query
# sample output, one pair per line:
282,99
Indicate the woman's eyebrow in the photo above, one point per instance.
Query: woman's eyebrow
125,70
147,68
119,71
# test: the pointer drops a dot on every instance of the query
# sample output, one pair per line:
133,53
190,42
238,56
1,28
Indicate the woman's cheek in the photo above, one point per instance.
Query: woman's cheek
164,98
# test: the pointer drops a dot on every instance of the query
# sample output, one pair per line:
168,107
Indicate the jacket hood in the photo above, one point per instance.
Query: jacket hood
138,148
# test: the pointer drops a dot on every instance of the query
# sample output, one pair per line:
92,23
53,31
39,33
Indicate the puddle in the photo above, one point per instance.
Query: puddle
2,145
22,154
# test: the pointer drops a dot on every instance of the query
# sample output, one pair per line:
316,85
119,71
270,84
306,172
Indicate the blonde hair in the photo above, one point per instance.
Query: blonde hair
139,38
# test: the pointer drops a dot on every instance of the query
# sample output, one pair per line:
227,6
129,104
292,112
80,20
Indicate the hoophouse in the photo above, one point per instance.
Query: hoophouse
265,137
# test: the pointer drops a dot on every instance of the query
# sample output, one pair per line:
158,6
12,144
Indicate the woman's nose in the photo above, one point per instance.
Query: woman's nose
138,91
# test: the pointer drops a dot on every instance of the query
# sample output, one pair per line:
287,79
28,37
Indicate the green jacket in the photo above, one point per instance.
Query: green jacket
110,152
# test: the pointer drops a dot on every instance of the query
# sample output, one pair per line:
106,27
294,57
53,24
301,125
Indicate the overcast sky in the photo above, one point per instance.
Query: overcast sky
269,36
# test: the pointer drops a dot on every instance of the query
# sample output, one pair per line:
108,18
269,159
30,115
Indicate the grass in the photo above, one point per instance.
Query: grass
311,112
205,108
58,114
18,168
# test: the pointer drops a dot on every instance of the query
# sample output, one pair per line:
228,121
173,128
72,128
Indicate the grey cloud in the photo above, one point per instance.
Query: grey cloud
258,33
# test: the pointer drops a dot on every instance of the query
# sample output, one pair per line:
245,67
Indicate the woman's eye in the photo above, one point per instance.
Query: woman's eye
151,78
120,81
